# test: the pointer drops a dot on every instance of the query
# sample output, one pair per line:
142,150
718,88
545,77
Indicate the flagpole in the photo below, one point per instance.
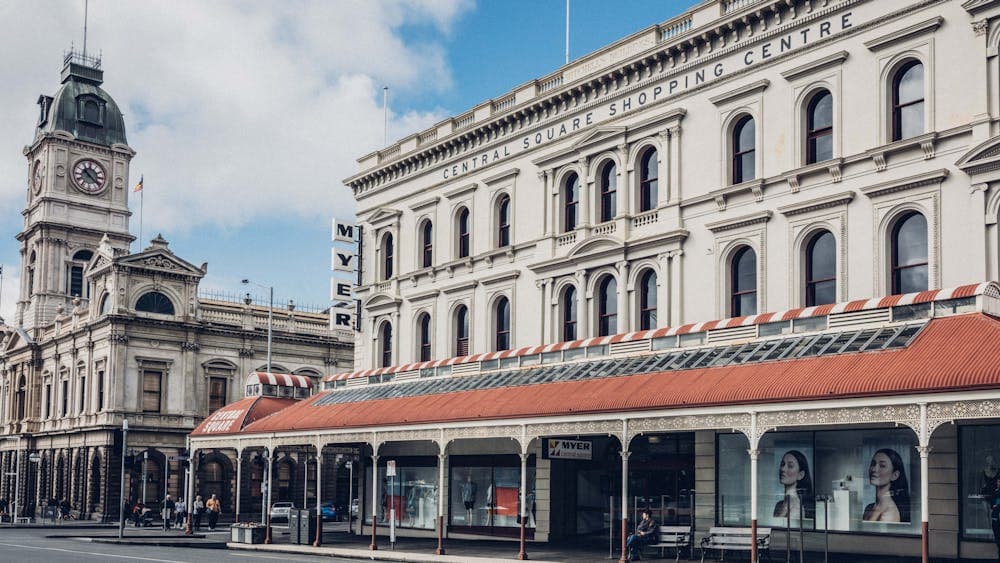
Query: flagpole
139,189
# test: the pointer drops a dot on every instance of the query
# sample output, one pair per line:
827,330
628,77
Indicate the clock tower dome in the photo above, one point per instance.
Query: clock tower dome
78,174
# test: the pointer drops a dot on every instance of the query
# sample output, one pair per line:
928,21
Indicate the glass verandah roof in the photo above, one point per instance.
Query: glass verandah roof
790,347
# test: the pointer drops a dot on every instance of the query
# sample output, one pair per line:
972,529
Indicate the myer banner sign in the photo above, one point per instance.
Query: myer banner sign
345,263
561,448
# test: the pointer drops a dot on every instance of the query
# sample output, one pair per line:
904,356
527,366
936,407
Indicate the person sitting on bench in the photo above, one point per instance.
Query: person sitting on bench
645,534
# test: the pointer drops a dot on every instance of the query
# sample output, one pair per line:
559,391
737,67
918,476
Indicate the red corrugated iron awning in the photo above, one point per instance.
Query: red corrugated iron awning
954,353
235,416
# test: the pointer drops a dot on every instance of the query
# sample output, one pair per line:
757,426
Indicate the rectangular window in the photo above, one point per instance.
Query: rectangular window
47,405
83,395
485,492
978,470
64,403
100,391
412,493
872,477
216,393
151,381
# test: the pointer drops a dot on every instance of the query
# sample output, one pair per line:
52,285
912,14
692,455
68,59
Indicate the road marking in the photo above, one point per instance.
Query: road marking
256,556
98,555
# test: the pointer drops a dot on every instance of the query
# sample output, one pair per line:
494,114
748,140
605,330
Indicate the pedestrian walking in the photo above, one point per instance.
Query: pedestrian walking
181,508
198,509
64,509
214,508
168,512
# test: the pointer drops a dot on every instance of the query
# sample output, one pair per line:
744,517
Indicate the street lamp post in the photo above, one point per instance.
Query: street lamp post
270,316
145,458
121,497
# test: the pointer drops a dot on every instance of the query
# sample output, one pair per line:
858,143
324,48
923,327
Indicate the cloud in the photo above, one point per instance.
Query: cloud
239,111
8,294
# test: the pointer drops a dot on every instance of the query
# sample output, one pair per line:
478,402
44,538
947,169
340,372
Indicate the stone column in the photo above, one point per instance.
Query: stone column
624,307
583,313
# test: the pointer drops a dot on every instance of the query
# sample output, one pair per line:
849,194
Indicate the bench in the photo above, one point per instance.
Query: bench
676,537
22,520
736,539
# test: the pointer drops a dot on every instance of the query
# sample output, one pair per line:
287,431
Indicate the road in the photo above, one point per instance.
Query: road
20,545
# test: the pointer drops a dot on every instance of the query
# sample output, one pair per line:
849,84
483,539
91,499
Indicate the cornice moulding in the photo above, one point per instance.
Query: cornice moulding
908,183
741,92
497,178
926,26
737,222
825,202
815,66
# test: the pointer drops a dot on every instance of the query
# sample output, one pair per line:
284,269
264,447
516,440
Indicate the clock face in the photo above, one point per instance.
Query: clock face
89,176
36,177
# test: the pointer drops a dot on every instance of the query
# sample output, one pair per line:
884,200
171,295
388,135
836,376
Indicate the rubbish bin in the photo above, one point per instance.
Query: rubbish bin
294,530
307,527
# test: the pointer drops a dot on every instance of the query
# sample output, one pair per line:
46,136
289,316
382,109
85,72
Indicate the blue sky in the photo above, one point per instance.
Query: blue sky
246,116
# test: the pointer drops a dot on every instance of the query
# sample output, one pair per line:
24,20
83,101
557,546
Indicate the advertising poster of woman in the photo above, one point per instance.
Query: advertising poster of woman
887,476
794,476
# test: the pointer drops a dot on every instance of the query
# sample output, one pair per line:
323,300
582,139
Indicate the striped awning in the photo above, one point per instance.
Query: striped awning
280,379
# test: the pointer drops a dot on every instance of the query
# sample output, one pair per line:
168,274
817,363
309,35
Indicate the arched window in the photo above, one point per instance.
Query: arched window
387,256
568,307
155,302
607,183
427,244
31,273
502,324
571,202
908,101
462,233
743,283
648,174
821,269
647,301
22,389
819,127
462,331
105,304
503,222
424,336
385,344
607,307
76,283
909,254
744,153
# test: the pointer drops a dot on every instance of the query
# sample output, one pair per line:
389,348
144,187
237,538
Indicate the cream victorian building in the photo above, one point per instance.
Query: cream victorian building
102,335
729,269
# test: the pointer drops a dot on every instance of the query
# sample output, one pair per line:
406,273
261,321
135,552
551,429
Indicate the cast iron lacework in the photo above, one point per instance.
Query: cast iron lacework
790,347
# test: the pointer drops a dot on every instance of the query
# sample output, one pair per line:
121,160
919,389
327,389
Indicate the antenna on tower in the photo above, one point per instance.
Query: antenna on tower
86,6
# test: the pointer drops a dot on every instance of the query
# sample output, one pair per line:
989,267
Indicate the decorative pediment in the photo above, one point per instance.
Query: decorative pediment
18,339
383,215
596,244
984,157
380,301
598,136
162,260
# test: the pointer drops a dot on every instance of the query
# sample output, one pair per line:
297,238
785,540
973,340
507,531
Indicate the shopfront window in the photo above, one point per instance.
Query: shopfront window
486,494
871,477
980,449
412,493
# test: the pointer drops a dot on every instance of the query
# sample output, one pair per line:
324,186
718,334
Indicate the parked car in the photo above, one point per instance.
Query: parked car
328,512
280,510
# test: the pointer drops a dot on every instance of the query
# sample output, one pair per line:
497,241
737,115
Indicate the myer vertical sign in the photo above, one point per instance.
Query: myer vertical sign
346,265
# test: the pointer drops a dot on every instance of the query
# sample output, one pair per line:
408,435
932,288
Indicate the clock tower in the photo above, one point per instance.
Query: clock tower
77,194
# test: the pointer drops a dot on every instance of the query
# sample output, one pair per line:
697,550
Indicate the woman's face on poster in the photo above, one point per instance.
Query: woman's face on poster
789,473
881,472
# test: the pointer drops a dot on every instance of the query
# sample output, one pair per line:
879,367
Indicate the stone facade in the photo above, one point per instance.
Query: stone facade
103,335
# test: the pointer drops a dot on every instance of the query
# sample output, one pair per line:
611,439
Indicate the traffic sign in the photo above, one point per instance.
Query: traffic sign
390,468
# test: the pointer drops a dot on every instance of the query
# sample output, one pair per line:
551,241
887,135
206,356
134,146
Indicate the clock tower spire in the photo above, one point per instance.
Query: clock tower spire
78,166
